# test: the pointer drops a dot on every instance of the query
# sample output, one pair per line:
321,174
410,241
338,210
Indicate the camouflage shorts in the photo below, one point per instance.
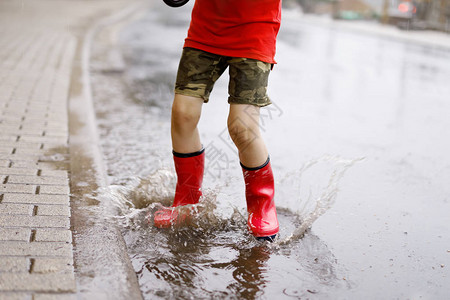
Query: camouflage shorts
199,70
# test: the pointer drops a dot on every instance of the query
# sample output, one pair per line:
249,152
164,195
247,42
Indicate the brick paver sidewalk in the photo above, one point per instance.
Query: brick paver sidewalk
38,42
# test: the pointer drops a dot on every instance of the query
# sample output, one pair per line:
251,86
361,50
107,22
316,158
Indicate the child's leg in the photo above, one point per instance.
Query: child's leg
197,73
186,112
247,90
188,156
243,126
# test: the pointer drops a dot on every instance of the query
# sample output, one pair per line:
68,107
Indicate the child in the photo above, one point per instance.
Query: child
241,35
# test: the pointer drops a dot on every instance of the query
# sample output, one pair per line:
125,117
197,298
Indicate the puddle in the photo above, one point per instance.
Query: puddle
213,255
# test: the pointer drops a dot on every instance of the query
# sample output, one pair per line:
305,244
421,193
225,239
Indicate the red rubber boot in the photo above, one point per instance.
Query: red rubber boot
259,192
189,168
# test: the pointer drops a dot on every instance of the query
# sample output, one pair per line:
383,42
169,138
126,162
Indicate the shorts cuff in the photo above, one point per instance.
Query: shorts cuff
191,94
256,102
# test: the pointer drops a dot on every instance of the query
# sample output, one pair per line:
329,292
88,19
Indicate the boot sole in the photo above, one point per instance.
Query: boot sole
270,238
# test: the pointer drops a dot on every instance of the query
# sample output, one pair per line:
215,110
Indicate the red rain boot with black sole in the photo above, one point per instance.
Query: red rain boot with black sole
189,168
259,192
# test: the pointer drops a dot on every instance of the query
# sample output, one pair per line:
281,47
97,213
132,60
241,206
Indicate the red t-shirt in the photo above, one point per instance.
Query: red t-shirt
237,28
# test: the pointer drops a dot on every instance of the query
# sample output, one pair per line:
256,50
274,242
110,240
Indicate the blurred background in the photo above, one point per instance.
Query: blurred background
405,14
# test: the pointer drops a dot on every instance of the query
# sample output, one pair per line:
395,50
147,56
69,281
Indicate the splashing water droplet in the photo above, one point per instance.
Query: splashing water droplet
319,200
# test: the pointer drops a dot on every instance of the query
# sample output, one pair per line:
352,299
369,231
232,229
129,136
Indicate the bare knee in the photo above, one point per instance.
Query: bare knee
185,113
241,134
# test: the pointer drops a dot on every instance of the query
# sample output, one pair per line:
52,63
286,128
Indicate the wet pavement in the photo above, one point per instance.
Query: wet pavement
41,199
357,131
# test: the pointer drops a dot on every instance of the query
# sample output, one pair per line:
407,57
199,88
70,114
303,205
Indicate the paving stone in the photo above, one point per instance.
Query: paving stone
44,139
32,131
52,282
54,173
54,189
9,131
15,234
13,264
36,199
17,144
21,144
61,148
4,162
36,253
16,296
18,188
38,180
9,248
53,235
53,210
37,108
57,124
55,297
27,124
38,105
34,221
56,133
18,171
36,115
11,125
26,157
6,150
11,119
8,138
16,109
29,150
23,163
52,265
61,165
30,123
15,209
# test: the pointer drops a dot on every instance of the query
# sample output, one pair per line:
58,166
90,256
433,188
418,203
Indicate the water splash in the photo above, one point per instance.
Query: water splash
138,200
132,199
216,248
314,207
